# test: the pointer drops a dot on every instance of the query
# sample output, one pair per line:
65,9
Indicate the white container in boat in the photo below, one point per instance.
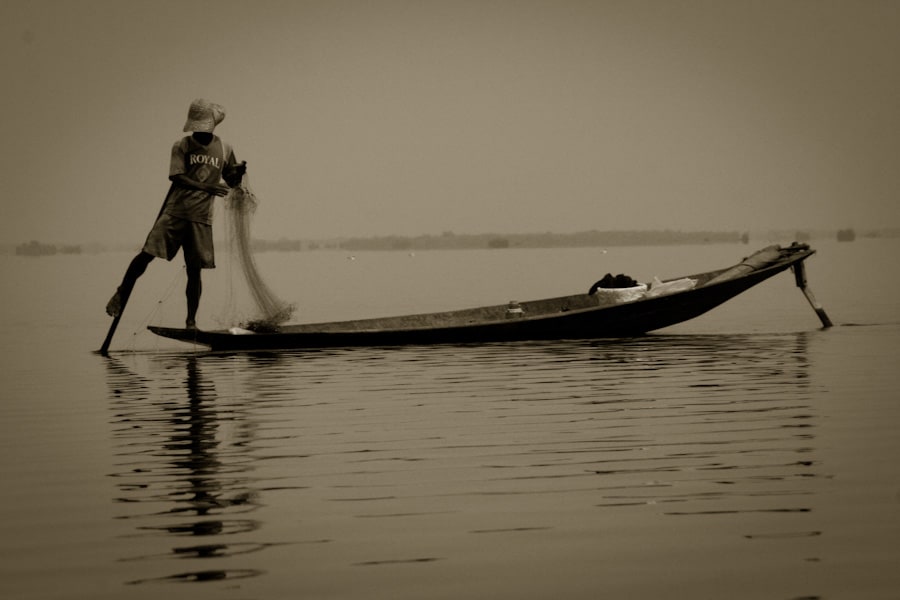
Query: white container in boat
609,296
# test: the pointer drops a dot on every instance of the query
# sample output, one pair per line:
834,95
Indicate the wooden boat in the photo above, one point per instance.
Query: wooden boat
604,313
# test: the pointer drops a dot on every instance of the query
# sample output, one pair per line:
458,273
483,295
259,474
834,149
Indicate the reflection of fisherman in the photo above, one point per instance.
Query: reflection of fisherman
179,451
201,461
191,443
199,163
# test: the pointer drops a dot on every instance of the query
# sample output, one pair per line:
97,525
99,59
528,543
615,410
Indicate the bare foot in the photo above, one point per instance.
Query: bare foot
114,306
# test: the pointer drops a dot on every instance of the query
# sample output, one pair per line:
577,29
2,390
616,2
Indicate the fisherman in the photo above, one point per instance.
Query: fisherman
200,162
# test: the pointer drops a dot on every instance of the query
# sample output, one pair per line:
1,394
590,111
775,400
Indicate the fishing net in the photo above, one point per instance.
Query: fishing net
268,311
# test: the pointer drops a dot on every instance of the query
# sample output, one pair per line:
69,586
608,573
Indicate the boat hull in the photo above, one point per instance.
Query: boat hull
567,317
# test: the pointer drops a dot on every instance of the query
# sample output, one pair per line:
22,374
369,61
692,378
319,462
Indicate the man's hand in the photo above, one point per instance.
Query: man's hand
217,188
234,175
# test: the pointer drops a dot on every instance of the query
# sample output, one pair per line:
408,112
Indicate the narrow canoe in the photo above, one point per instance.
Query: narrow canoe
604,313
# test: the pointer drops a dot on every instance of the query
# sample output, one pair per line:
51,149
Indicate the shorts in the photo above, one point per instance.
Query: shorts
171,233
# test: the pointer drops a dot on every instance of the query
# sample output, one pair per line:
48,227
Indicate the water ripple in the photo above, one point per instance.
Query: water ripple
418,444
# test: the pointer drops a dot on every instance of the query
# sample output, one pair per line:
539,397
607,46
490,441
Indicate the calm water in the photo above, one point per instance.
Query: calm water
746,454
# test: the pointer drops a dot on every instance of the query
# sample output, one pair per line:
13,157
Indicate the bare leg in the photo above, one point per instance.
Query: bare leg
138,265
192,291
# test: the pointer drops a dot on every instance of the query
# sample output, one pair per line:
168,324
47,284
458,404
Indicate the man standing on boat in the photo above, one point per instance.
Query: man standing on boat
200,162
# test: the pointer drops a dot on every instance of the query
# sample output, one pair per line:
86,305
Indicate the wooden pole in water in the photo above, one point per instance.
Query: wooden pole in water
104,349
800,277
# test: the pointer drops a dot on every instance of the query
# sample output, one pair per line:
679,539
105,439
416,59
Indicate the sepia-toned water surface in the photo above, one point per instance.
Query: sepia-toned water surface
746,454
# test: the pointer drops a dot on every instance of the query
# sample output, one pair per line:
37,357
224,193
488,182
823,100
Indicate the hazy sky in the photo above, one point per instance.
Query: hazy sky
408,117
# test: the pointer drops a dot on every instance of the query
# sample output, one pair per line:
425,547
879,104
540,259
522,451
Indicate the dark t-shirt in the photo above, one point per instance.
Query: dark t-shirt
200,163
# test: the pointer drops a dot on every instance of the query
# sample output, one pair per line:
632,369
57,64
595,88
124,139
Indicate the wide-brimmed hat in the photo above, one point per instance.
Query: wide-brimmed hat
204,116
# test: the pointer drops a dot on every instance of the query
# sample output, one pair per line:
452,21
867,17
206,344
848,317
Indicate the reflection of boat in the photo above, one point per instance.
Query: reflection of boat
579,316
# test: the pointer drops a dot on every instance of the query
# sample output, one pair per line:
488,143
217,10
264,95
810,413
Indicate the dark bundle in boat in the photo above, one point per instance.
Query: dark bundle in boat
609,282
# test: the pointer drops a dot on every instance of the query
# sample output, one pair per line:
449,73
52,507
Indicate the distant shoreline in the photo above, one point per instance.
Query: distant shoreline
453,241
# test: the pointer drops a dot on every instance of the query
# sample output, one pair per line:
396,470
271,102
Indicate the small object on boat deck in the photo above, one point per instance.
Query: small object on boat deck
240,331
617,290
514,310
621,295
609,282
661,288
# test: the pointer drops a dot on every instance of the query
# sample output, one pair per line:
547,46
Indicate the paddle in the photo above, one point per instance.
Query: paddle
123,300
800,278
104,349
